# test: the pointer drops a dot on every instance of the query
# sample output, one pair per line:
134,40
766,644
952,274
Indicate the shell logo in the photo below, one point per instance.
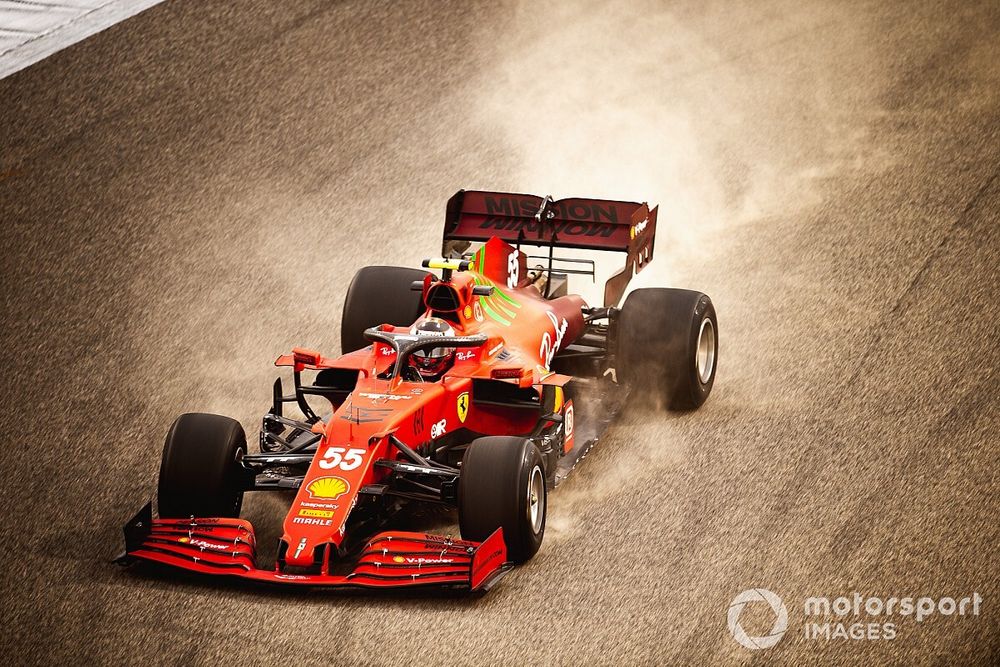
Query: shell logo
398,559
328,488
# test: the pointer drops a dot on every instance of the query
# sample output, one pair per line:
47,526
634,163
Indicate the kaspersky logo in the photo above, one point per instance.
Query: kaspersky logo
755,595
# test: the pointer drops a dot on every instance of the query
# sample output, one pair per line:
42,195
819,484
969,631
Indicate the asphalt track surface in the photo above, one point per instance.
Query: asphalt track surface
185,196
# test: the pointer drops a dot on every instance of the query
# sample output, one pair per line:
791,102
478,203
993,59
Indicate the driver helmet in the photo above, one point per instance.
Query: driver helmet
433,361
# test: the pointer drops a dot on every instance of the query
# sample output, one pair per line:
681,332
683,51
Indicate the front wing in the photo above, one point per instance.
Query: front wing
227,547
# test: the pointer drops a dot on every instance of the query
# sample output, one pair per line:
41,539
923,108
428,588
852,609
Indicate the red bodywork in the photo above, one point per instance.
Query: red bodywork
523,332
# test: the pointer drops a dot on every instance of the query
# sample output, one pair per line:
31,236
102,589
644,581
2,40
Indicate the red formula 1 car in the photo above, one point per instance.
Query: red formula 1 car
480,390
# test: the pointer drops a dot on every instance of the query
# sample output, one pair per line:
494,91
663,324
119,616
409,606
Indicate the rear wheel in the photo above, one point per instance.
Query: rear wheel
201,474
668,346
502,485
378,295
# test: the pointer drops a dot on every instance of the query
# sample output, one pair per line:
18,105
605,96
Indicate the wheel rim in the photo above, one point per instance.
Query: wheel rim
705,353
536,499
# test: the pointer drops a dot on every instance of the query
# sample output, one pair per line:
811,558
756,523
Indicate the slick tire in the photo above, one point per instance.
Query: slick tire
378,295
502,485
201,474
668,346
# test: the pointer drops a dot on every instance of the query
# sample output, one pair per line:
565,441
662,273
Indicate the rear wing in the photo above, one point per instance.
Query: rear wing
588,224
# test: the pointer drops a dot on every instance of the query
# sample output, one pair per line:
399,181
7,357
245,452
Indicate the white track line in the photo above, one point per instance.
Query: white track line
31,30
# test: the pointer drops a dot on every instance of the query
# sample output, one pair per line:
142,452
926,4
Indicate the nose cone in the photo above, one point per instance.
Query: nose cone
317,517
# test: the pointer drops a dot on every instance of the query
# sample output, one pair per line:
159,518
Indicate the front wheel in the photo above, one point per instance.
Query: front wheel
201,474
502,485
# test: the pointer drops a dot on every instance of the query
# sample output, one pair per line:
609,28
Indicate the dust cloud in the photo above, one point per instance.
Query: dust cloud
587,113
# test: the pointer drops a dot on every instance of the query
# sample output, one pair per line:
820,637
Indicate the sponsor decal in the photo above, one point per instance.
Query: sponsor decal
569,426
487,562
477,312
195,542
441,543
323,506
560,228
387,351
558,399
343,458
637,229
364,415
422,334
327,488
319,514
416,390
462,406
418,422
386,397
420,560
438,429
465,356
291,577
280,459
573,210
467,312
551,341
312,522
496,348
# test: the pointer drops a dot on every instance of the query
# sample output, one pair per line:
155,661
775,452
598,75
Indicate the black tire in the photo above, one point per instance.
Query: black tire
200,474
378,295
658,335
493,492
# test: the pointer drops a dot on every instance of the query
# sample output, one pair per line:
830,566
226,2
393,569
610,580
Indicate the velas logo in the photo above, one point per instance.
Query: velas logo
754,595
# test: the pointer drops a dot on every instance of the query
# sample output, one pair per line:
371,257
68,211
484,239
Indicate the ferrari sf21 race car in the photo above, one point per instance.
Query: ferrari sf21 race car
478,389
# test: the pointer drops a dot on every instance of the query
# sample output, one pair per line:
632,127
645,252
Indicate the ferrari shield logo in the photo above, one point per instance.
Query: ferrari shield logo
463,406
